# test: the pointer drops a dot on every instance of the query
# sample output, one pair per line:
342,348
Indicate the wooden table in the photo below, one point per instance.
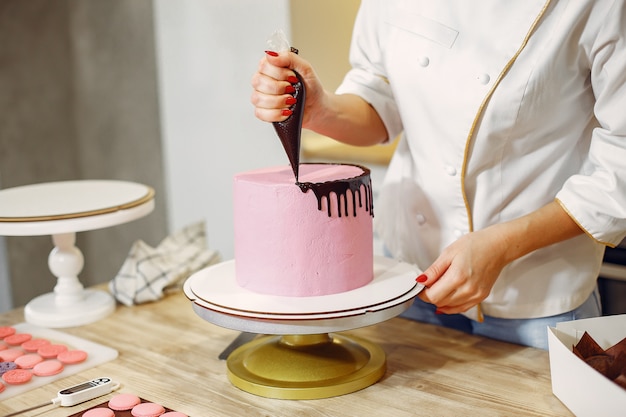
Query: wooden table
169,355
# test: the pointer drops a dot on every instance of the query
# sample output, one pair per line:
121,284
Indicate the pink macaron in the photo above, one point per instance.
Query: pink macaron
28,361
33,345
6,331
147,410
99,412
123,402
48,368
18,338
11,354
51,351
70,357
17,376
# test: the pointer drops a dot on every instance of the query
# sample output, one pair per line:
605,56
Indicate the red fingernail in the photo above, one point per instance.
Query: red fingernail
438,311
290,100
293,79
271,53
290,89
421,278
286,112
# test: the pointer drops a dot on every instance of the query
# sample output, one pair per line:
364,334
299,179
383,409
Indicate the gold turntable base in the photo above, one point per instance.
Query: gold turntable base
304,367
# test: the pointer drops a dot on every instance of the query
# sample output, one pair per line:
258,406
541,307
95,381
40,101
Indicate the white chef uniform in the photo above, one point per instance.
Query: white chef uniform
503,106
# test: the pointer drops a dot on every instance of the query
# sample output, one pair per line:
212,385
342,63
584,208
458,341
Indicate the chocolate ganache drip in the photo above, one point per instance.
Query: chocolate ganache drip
340,188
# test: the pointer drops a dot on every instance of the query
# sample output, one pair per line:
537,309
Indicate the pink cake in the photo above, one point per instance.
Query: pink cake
290,242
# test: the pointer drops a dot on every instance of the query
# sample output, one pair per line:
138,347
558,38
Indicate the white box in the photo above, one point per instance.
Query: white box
581,388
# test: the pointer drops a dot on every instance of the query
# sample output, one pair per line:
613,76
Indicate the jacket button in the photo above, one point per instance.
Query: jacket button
423,61
420,219
484,78
450,170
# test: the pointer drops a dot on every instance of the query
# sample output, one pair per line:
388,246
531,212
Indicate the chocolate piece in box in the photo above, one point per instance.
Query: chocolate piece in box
610,362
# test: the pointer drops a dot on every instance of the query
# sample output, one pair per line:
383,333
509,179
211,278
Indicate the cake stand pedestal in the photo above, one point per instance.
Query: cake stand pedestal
304,357
61,209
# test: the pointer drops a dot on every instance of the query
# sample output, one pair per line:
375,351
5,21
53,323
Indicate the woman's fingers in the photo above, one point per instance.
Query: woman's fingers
272,115
272,89
454,301
453,291
268,84
270,107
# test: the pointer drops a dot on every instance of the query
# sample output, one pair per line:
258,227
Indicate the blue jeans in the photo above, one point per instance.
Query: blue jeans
529,332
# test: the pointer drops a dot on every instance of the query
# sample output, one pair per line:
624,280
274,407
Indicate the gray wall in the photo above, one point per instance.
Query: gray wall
207,52
78,99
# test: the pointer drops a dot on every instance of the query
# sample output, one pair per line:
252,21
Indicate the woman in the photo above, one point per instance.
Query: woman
509,178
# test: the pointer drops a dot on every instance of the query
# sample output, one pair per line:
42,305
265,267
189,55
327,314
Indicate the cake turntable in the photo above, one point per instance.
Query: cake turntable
301,356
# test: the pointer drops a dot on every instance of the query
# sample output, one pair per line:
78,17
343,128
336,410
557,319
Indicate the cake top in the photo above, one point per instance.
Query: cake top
325,180
309,173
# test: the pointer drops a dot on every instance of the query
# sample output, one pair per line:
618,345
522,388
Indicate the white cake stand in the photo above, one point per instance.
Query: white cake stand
62,209
303,358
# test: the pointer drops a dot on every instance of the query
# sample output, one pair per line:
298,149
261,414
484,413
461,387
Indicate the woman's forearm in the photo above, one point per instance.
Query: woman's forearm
543,227
349,119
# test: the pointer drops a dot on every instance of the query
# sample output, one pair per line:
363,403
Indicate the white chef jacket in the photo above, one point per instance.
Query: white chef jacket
503,106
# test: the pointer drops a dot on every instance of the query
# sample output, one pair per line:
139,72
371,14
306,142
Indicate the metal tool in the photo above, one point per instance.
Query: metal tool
241,339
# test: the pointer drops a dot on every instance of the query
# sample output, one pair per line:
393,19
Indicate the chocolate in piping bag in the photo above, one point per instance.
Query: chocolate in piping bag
290,130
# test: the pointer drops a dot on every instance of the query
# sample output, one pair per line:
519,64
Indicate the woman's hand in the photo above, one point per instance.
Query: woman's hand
346,117
463,275
272,87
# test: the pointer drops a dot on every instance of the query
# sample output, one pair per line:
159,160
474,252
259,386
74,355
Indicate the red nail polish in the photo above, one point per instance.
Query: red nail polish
438,311
290,100
271,53
421,278
293,79
286,112
290,89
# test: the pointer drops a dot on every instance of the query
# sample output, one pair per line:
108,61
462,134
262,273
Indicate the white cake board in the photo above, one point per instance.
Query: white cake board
218,299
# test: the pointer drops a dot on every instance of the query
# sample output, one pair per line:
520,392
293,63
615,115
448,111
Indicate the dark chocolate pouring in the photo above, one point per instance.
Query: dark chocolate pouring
289,130
340,188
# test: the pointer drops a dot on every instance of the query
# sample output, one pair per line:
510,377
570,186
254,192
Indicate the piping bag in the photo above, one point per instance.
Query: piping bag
290,130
